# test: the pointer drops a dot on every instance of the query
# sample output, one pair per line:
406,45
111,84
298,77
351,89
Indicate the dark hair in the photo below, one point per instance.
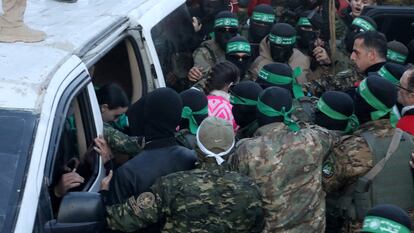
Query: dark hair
221,75
374,40
112,95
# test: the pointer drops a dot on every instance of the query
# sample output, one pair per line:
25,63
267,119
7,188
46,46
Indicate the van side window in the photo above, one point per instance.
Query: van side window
71,150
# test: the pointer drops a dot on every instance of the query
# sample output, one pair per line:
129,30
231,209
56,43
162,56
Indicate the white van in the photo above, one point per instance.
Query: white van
89,43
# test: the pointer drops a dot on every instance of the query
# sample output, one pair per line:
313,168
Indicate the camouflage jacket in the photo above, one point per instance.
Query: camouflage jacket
211,199
122,143
207,55
286,166
352,158
304,109
298,59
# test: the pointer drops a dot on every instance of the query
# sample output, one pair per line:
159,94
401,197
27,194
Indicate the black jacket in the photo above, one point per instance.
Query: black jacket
159,158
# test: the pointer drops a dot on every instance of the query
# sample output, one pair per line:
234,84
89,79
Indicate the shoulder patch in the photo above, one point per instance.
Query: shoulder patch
144,201
328,169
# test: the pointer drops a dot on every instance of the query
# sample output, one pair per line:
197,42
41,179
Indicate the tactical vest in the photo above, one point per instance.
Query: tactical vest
390,181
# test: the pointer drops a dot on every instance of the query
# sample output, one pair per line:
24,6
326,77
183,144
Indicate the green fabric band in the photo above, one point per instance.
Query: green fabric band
382,110
188,113
284,80
226,22
235,99
271,112
238,47
282,40
383,72
382,225
362,23
303,21
263,17
394,56
353,122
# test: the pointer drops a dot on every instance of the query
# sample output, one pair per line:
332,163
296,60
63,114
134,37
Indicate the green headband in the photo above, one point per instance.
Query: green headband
238,47
303,21
383,72
382,225
282,40
284,80
271,112
263,17
353,122
226,22
382,110
187,113
235,99
394,56
362,23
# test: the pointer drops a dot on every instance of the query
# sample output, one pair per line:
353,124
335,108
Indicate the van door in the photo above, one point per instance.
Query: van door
76,122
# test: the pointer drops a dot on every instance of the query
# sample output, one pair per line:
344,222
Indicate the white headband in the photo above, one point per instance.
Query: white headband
208,153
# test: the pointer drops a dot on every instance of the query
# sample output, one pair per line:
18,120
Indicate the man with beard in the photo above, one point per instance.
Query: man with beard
278,46
261,21
238,52
212,51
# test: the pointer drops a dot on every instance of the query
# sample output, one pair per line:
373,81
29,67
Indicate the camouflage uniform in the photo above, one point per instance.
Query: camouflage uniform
210,199
122,143
298,59
186,138
286,166
207,55
304,109
352,158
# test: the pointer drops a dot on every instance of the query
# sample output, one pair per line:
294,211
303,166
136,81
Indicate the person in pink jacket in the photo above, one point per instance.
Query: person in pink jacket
222,76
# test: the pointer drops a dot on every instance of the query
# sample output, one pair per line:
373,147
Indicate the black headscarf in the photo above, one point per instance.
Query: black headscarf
242,96
197,101
156,115
276,98
261,21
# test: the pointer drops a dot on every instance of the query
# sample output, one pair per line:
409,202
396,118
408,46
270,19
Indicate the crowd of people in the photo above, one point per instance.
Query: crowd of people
273,133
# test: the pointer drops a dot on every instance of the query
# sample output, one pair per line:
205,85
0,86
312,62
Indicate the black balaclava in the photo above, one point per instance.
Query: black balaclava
197,102
335,104
306,38
361,23
159,114
392,72
276,98
235,46
243,97
397,52
387,216
209,9
261,21
383,90
225,19
282,39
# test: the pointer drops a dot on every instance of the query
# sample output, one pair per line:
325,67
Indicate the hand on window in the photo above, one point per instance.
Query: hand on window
67,181
102,148
105,181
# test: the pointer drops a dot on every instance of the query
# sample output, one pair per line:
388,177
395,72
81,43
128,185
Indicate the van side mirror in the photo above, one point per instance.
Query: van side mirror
79,212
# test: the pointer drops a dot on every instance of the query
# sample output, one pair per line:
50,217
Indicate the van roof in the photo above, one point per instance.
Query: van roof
26,68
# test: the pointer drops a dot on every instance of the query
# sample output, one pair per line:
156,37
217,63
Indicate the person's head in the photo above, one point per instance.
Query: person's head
280,75
406,88
397,52
222,76
358,5
113,102
374,98
386,216
194,109
282,40
369,49
156,115
238,52
215,139
307,33
392,72
261,21
335,111
275,105
225,27
359,24
243,97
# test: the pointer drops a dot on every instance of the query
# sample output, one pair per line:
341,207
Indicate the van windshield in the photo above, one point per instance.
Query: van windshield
16,138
